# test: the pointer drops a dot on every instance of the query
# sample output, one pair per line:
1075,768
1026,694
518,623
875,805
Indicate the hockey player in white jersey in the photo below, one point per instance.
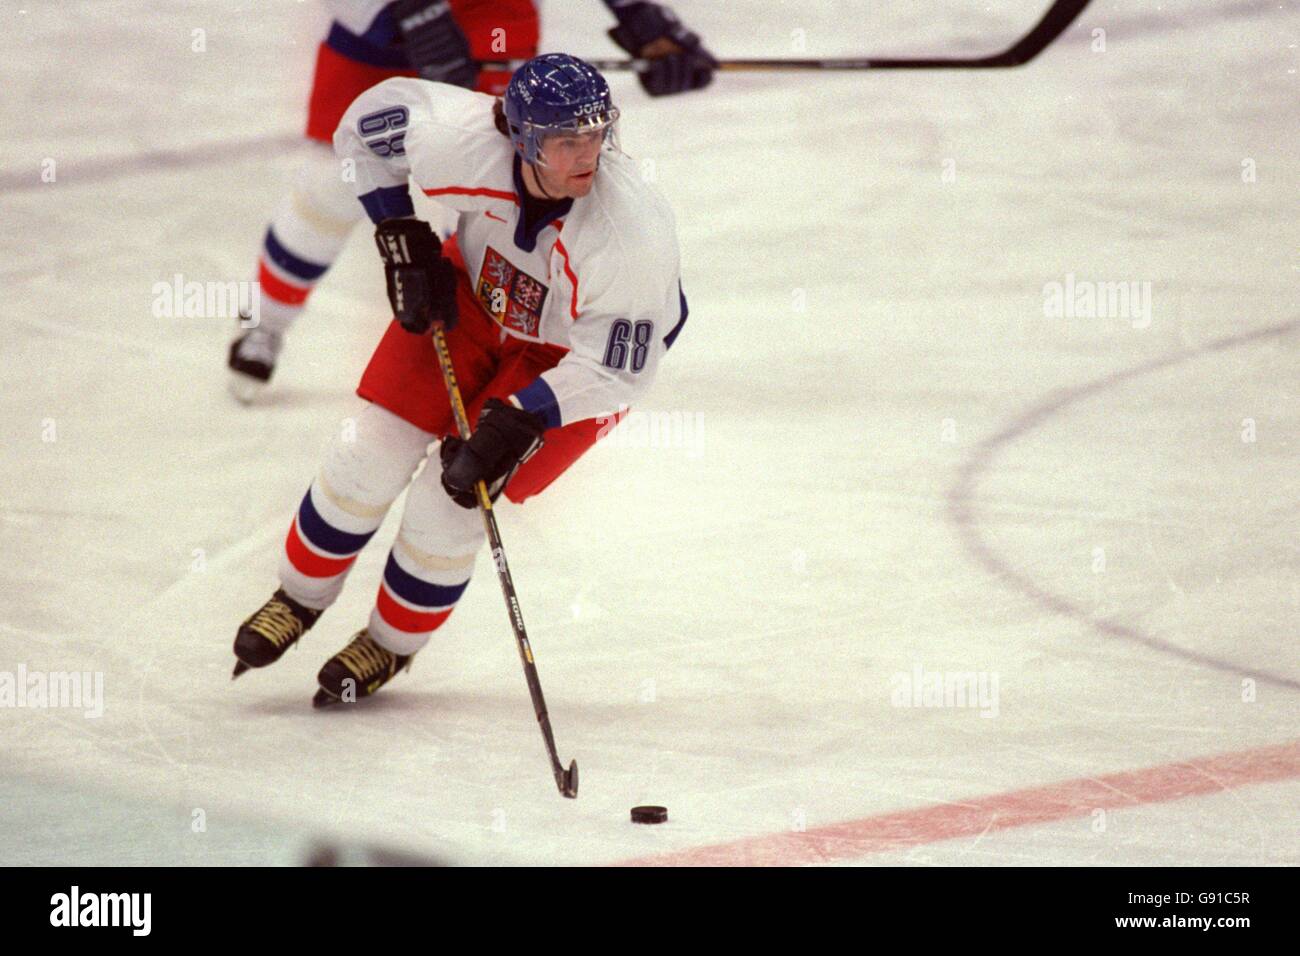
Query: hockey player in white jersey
560,292
371,41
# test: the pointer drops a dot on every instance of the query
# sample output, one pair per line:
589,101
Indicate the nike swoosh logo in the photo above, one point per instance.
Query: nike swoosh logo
490,216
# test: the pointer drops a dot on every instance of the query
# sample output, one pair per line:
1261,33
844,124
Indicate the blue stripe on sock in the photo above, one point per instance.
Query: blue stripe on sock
414,591
537,397
286,260
324,535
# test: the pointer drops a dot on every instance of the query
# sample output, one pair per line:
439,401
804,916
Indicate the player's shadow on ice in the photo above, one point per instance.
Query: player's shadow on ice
298,397
465,705
297,704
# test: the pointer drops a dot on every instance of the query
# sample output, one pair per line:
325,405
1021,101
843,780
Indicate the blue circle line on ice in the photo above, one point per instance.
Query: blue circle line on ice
961,510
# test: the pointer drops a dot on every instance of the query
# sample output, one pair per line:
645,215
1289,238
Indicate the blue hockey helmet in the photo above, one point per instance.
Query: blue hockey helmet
556,93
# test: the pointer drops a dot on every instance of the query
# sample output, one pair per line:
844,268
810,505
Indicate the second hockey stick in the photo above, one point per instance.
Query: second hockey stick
565,779
1054,22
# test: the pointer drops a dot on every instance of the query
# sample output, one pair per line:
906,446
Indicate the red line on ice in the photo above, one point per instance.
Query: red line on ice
1002,811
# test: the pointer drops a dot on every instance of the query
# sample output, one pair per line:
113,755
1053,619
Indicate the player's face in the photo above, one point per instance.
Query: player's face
571,161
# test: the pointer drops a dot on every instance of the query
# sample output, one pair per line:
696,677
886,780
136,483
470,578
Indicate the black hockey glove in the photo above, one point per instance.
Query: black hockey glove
421,283
678,61
435,44
504,439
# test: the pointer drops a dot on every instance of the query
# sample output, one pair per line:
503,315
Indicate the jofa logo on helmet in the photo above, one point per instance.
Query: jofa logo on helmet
586,108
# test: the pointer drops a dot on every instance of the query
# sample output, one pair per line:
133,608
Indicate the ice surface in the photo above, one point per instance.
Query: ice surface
900,461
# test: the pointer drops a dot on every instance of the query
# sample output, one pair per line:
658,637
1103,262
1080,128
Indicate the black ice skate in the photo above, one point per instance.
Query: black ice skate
252,362
266,635
357,671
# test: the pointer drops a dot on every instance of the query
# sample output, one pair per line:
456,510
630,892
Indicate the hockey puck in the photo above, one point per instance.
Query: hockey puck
649,814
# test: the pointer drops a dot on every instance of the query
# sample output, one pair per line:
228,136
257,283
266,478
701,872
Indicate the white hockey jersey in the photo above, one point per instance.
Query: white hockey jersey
602,280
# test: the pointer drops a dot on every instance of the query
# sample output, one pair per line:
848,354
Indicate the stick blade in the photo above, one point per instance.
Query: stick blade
567,780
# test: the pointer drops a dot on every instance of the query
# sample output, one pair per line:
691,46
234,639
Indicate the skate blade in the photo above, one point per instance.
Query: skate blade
324,698
246,390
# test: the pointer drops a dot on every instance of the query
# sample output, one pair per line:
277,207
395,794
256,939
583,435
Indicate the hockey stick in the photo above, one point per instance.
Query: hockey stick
1058,16
566,780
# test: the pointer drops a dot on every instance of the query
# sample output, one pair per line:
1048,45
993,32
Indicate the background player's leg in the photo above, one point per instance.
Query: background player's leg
313,221
304,237
309,228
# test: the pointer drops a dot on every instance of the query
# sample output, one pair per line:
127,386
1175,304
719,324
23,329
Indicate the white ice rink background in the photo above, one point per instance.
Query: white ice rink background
888,459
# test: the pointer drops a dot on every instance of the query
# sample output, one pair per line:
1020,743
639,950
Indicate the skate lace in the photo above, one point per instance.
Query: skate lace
277,622
365,658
